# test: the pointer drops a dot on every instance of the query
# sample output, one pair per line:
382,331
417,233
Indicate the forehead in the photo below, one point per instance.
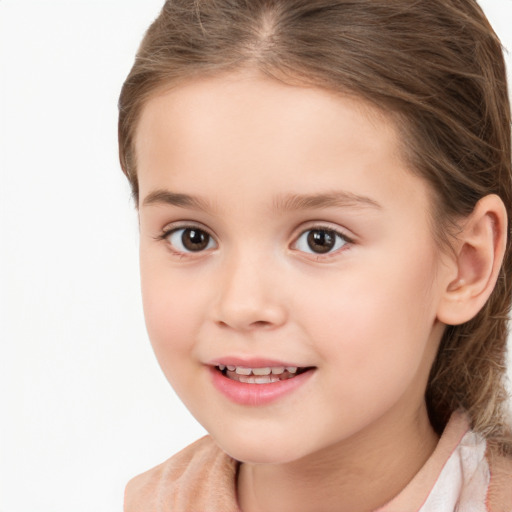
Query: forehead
247,133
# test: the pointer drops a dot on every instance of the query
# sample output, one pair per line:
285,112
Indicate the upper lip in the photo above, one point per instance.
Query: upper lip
252,362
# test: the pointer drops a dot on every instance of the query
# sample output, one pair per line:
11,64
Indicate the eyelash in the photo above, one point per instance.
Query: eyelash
336,234
328,231
184,253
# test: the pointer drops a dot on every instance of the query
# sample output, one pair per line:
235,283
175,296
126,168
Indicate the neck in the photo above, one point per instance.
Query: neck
356,475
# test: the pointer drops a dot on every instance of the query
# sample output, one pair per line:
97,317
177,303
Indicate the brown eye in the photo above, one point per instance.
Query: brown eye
320,241
190,240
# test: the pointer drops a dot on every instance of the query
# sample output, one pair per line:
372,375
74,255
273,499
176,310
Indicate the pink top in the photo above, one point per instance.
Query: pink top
459,476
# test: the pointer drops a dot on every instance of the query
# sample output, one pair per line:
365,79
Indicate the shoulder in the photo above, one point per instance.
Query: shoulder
499,496
200,477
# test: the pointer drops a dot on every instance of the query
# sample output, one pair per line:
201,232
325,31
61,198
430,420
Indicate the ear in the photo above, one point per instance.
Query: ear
476,262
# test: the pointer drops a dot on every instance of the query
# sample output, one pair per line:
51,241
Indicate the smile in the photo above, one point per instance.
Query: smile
258,385
264,375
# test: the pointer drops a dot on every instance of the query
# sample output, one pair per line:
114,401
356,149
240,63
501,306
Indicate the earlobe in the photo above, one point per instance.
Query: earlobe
478,255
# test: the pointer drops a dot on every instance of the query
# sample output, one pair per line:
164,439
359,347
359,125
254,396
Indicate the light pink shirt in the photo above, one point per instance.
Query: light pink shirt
456,478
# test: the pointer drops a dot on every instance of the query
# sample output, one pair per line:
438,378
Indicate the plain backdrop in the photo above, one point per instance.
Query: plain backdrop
83,403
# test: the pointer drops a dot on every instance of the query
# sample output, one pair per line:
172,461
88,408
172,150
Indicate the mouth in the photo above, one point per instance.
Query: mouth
261,375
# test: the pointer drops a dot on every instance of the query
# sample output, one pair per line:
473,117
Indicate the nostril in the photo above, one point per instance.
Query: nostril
260,323
248,315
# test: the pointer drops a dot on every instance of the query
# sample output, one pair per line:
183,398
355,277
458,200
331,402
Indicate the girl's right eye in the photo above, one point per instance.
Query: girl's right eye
191,239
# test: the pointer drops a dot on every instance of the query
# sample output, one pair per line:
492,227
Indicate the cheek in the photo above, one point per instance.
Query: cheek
171,312
374,321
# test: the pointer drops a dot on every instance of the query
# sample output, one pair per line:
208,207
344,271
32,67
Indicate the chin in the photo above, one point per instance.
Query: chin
262,449
255,455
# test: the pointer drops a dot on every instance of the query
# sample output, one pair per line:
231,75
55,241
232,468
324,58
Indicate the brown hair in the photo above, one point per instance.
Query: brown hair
435,66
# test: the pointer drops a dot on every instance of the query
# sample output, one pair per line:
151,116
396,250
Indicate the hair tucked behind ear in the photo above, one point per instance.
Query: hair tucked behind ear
435,66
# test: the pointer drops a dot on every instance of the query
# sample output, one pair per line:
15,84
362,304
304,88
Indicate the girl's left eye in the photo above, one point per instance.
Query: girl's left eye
320,241
190,240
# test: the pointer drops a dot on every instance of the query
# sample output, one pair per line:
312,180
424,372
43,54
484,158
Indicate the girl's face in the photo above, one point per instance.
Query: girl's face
280,228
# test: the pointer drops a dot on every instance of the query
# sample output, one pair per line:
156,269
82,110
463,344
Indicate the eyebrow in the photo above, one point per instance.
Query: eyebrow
176,199
338,199
288,202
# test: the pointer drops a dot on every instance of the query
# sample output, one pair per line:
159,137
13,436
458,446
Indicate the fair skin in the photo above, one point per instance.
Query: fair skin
281,224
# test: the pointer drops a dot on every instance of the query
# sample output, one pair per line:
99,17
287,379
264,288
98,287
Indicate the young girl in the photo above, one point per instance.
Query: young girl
323,189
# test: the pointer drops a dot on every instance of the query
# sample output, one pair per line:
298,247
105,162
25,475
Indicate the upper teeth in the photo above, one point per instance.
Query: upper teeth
267,370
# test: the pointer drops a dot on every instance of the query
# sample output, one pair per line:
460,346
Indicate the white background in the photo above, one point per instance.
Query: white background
83,404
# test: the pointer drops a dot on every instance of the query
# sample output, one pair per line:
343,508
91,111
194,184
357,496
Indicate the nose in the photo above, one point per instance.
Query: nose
249,296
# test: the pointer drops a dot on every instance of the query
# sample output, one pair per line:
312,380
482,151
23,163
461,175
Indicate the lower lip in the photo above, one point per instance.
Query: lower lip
256,394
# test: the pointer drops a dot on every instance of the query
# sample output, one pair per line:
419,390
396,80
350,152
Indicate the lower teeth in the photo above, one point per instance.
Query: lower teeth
250,379
258,379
